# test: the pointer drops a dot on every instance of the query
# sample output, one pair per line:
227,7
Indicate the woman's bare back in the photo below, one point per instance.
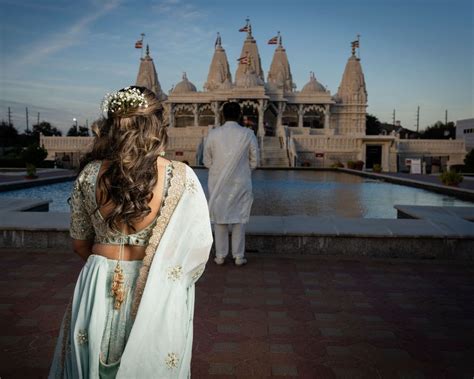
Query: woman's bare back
133,252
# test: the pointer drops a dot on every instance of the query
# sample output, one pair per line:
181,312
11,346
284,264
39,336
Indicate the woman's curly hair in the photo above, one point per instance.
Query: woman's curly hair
132,140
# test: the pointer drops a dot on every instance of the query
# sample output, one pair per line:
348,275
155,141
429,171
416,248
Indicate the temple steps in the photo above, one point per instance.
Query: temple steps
273,155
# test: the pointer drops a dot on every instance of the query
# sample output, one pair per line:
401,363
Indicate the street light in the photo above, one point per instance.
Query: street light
75,121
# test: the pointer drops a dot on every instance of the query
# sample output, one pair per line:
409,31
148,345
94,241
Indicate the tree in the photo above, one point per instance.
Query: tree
46,129
74,131
372,125
469,161
439,130
33,155
8,134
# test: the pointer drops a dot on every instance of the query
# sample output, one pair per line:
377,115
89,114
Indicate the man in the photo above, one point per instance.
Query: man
230,153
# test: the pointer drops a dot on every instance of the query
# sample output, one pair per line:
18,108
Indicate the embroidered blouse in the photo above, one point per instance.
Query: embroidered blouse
88,224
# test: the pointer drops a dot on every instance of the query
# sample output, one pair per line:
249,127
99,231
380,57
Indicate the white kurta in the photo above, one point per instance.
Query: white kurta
160,342
230,153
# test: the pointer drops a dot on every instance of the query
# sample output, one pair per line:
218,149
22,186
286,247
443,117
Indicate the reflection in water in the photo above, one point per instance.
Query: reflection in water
283,193
326,193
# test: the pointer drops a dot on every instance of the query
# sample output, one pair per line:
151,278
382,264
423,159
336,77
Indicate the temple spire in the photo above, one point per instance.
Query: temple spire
147,76
219,71
250,46
279,75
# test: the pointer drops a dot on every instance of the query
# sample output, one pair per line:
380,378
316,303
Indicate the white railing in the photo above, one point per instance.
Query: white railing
321,143
292,153
430,146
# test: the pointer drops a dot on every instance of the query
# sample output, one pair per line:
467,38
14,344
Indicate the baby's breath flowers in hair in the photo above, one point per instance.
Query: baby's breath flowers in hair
123,100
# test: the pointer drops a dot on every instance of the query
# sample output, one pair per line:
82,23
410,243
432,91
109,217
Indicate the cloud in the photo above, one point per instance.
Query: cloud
68,38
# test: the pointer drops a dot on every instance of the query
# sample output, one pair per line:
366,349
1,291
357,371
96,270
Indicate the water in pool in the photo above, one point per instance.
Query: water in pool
283,193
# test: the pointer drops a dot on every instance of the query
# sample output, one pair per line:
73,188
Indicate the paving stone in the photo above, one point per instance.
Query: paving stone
380,334
284,370
363,305
331,332
279,329
228,328
371,318
231,300
229,347
232,291
277,315
230,314
273,302
221,369
281,348
27,322
313,292
338,350
327,316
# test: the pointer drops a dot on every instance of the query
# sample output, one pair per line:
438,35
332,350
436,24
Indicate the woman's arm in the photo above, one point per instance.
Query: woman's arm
83,248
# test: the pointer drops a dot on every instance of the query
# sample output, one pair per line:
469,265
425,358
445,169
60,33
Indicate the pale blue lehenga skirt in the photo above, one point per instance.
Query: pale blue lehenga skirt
93,302
118,322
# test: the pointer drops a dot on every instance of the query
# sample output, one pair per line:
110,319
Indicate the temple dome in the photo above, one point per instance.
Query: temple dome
184,86
313,86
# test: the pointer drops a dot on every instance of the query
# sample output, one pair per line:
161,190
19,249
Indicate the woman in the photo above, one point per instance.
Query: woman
141,222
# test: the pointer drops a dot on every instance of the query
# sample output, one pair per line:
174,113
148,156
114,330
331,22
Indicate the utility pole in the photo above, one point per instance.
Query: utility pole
27,126
9,116
393,118
446,117
418,119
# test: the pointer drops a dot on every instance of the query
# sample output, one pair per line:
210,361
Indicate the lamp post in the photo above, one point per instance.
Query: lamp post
75,125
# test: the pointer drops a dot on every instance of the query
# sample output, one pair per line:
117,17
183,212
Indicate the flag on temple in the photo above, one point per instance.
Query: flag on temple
243,60
355,43
273,41
244,29
139,44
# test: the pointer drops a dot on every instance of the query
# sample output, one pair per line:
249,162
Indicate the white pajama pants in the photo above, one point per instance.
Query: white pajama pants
221,232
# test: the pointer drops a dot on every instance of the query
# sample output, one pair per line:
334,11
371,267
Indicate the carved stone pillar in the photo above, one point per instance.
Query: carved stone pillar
217,113
279,126
196,114
171,115
326,117
261,111
300,115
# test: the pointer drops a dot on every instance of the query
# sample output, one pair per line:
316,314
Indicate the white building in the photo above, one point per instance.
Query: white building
307,127
465,131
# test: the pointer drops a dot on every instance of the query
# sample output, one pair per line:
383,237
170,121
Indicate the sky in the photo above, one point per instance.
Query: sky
59,58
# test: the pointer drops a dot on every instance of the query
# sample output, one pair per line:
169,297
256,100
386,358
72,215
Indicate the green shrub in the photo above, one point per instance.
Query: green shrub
451,178
351,165
377,168
358,165
31,171
337,164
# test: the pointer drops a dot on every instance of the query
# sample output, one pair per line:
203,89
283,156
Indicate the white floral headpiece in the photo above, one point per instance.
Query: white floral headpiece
127,98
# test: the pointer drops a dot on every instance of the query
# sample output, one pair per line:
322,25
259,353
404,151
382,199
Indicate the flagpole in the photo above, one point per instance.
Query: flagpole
141,50
358,45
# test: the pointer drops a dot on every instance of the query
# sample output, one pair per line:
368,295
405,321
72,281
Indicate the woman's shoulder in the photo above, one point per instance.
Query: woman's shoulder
89,172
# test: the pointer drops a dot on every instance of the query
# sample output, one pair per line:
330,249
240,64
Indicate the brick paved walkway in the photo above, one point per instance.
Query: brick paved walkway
302,317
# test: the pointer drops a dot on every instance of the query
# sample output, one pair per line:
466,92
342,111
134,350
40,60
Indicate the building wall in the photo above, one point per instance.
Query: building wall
465,131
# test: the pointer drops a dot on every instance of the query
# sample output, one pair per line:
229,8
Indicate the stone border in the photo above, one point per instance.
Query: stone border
460,193
21,184
452,238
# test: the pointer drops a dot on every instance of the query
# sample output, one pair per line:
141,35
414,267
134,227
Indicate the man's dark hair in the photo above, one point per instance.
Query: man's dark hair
231,111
